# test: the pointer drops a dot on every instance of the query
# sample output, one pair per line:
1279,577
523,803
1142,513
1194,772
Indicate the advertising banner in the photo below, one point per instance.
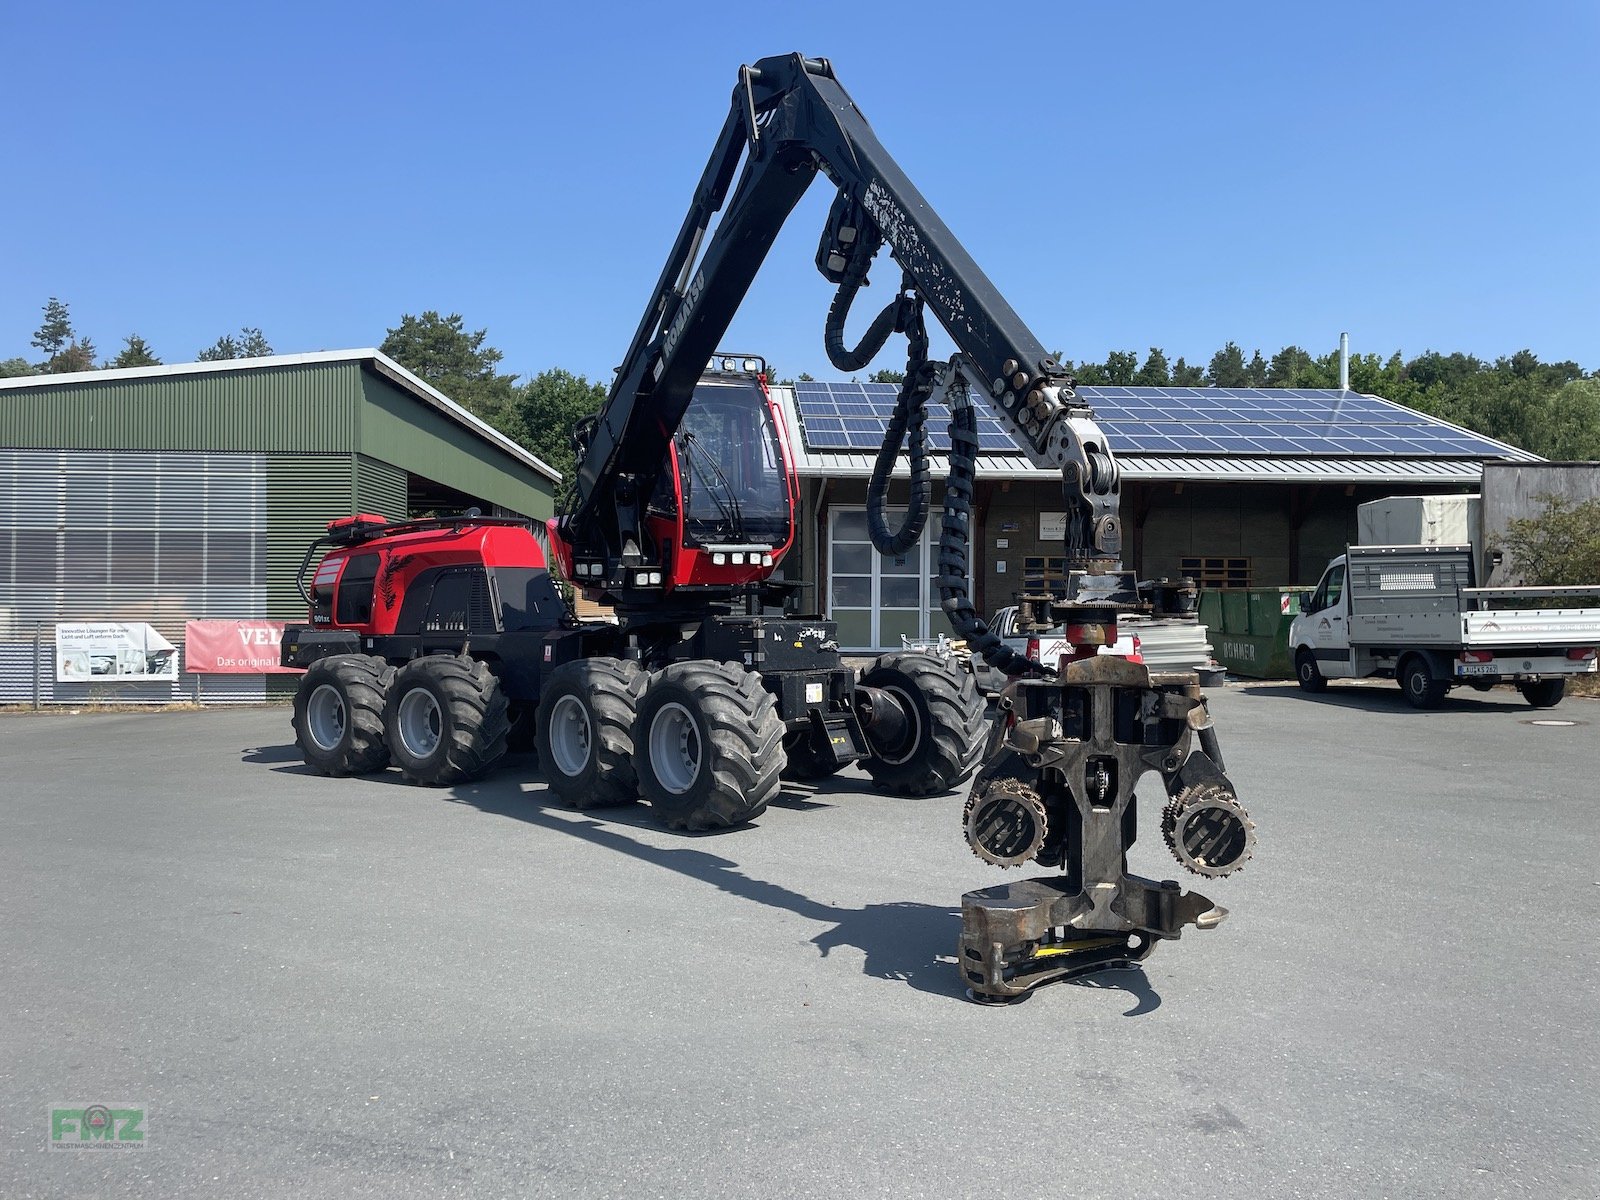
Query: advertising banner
233,648
112,651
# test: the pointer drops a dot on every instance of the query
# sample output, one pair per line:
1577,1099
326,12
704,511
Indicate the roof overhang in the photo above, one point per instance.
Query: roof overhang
374,360
1146,469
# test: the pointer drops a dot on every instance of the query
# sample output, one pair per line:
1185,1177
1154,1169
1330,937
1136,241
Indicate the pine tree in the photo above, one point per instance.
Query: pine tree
220,350
253,344
56,338
135,352
1155,372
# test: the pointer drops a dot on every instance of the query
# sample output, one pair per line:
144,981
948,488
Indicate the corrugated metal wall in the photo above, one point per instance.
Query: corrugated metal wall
380,488
126,536
305,408
303,493
395,428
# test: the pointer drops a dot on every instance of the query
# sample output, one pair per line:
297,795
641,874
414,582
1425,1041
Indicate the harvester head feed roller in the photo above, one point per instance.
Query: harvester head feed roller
1208,831
1005,821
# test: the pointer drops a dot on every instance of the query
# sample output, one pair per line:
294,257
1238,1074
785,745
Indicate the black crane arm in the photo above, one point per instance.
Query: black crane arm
789,120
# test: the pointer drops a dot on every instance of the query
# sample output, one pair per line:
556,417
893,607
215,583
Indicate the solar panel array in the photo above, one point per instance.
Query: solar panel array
1278,422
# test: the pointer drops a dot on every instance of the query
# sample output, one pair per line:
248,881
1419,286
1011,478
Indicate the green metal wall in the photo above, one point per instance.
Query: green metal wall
309,408
380,488
305,409
399,429
304,493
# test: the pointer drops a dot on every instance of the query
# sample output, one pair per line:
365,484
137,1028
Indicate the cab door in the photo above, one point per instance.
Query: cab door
1328,622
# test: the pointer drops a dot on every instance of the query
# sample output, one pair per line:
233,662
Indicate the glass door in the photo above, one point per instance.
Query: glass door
877,599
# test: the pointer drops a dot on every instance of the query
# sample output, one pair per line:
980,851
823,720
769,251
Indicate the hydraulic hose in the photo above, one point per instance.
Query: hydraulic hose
955,540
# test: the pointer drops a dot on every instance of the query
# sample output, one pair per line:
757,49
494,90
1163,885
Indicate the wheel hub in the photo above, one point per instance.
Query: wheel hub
326,717
899,747
419,723
675,749
571,735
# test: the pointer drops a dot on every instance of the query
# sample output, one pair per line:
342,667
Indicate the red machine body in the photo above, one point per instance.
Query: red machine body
363,583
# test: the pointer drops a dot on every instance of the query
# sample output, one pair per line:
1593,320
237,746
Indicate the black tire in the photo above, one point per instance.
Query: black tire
1546,693
1422,687
806,758
1308,674
338,714
445,721
945,740
710,745
585,731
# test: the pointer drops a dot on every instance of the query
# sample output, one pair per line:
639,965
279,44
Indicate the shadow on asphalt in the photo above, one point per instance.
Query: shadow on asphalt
1382,699
271,755
902,941
1132,980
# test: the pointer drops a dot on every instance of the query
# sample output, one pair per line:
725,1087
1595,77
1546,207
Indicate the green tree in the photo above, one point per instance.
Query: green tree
1183,375
135,352
1155,372
1121,366
544,411
806,377
1227,368
887,376
461,364
1559,547
12,368
55,332
1255,371
250,343
78,355
1087,373
221,350
63,350
1569,428
1286,367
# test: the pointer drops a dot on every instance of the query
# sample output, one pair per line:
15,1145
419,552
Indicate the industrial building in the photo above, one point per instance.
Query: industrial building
1233,487
172,493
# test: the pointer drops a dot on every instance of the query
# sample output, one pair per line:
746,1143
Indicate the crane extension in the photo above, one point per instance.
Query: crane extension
1058,789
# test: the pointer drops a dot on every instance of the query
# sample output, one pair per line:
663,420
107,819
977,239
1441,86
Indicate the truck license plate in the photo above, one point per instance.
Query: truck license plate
1487,668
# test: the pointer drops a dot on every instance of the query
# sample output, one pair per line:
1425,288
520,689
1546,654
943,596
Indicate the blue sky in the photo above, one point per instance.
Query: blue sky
1421,175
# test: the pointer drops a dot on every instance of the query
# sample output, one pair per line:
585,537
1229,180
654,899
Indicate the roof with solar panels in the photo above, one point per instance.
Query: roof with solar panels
1278,435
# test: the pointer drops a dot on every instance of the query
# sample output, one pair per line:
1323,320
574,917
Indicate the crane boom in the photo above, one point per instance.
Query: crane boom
790,120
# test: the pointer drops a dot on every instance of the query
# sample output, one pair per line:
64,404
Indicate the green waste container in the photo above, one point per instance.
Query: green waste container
1249,629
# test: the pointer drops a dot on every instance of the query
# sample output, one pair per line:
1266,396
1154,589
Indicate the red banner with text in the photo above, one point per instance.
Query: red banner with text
233,648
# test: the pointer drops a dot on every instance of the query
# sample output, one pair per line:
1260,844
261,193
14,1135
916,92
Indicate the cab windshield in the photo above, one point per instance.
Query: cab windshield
734,487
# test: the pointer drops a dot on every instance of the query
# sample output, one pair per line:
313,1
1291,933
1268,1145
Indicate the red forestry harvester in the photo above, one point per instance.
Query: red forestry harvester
436,642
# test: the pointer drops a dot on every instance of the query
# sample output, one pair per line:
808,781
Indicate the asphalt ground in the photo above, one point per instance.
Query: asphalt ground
351,988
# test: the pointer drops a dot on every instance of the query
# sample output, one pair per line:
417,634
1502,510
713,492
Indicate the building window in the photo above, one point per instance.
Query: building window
1219,573
878,599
